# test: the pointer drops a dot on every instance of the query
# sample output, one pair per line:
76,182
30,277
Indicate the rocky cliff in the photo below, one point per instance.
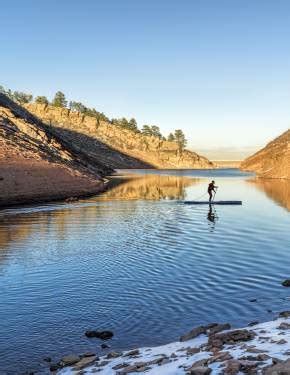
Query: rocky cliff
35,165
118,147
273,161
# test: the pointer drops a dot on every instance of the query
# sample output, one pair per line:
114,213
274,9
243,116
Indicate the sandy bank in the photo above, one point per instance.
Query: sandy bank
258,349
26,181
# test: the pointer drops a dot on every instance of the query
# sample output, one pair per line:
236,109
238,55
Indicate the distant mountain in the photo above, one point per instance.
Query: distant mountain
115,146
273,161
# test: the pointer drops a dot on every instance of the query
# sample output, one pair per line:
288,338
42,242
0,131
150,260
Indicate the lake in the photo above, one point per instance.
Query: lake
137,261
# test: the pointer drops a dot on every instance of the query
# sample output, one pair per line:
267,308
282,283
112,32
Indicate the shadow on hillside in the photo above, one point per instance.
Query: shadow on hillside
98,152
90,152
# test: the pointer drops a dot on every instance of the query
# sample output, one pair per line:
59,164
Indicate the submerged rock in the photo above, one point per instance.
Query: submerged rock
284,314
254,323
103,335
286,283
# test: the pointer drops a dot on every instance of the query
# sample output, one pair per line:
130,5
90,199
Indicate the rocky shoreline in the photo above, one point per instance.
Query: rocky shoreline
260,348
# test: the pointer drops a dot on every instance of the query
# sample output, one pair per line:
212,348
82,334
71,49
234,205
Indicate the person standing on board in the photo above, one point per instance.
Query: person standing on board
210,189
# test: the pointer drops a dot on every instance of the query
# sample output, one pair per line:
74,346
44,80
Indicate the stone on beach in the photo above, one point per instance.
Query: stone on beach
113,355
211,328
86,361
69,360
281,368
201,370
193,333
132,353
231,337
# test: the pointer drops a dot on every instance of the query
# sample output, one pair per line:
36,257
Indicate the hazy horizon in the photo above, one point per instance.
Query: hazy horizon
218,70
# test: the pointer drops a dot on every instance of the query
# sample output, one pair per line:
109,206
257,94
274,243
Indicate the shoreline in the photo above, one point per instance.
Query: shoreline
30,182
259,348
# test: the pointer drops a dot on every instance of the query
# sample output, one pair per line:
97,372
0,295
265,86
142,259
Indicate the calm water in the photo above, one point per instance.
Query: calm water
139,262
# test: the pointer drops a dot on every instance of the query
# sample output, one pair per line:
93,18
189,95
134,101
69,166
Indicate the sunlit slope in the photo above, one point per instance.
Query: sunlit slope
119,147
273,161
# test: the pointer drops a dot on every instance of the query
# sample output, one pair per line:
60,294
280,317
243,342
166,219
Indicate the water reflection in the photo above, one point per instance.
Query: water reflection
128,262
212,217
149,187
276,189
62,218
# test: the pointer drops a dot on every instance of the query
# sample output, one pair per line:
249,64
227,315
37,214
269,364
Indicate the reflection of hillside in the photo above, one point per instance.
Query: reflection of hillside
12,232
66,220
276,189
152,187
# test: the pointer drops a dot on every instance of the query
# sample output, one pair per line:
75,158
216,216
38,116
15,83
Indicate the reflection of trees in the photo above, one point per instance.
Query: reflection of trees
151,187
276,189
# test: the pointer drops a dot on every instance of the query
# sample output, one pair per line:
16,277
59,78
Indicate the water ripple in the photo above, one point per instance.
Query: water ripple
147,269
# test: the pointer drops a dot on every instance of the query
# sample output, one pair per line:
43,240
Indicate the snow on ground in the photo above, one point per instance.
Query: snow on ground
272,340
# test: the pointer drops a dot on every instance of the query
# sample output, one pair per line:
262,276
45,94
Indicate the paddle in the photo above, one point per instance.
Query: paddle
214,195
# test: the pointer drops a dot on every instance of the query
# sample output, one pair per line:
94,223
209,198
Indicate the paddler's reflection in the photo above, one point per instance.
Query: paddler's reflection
212,214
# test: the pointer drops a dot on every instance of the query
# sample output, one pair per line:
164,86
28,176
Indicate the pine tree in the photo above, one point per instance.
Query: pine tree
180,139
41,100
146,130
22,97
59,100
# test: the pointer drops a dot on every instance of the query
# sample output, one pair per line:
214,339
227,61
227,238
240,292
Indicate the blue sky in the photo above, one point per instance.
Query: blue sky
220,70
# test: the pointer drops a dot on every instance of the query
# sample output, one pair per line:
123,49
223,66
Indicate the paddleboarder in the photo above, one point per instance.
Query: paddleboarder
211,188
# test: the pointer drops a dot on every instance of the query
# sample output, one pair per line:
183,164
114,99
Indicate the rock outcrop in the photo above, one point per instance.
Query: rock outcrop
115,146
273,161
35,165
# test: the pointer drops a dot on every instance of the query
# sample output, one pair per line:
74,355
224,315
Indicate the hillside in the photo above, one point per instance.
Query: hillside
37,166
104,141
273,161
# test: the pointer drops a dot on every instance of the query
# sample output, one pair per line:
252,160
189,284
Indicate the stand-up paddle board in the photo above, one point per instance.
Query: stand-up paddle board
215,202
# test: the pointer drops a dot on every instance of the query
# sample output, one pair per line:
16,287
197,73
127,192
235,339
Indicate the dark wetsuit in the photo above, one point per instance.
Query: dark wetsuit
210,189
